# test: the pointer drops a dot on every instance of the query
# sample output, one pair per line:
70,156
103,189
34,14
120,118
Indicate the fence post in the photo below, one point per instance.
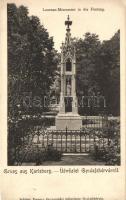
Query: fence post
75,144
80,140
66,138
61,143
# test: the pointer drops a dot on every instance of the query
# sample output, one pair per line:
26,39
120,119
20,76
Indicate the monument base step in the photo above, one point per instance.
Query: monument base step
70,121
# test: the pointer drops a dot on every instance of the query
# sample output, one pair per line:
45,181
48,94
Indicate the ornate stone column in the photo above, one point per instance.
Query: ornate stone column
68,113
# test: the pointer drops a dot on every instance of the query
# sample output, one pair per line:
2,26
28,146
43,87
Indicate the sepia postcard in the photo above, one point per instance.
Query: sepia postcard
62,100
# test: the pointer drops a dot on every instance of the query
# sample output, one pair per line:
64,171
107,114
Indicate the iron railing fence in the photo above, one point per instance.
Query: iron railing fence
28,141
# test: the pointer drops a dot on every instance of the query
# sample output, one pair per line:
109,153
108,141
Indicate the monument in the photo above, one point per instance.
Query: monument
68,110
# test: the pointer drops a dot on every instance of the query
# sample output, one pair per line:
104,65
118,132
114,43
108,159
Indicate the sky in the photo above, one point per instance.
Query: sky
104,22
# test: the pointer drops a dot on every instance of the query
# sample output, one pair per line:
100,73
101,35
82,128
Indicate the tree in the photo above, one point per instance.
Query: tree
87,51
108,73
31,57
98,69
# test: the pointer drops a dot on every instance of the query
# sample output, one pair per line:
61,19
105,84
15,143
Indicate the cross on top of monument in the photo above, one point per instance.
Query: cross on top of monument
68,22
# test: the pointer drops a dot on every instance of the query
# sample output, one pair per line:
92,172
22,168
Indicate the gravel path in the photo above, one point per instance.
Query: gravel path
70,160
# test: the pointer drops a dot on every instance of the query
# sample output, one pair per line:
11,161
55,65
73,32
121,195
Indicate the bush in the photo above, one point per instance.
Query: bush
98,154
39,155
112,156
109,154
53,154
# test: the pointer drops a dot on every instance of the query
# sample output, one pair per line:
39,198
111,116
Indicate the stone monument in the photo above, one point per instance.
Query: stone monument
68,110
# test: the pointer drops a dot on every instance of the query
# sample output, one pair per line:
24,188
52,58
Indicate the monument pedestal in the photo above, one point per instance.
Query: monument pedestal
70,120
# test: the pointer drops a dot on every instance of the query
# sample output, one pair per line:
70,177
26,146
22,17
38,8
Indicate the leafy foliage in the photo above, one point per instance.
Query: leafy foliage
109,72
36,155
87,51
109,153
98,69
31,56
